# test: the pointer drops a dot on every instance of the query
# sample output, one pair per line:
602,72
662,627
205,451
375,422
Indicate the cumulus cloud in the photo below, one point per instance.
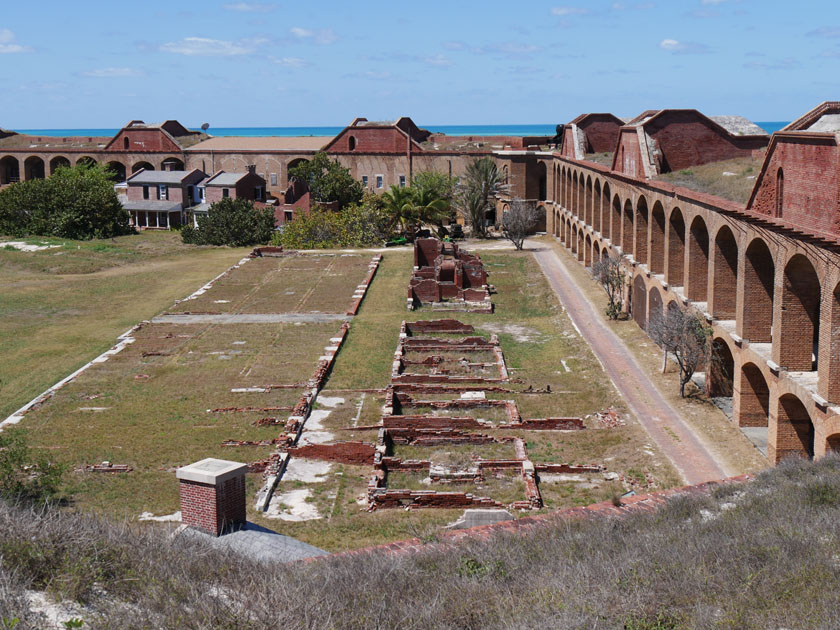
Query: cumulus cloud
206,47
8,43
566,11
113,72
291,62
249,7
438,60
684,48
320,36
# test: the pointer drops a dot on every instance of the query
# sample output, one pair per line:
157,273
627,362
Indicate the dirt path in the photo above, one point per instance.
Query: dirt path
675,438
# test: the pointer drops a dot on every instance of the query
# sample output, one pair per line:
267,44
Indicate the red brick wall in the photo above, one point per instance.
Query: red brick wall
177,194
372,140
143,141
810,197
601,133
211,509
627,158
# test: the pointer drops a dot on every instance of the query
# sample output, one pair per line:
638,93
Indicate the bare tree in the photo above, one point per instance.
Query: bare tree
611,276
519,220
684,333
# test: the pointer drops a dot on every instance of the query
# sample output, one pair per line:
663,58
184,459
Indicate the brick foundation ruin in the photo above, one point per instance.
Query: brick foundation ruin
447,278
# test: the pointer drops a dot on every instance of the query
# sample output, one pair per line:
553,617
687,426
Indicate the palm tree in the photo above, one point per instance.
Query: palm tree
428,207
399,205
482,182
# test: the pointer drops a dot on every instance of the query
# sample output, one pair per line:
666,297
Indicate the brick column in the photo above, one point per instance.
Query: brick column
213,495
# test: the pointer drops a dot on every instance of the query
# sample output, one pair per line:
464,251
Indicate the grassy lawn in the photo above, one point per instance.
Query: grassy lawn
63,306
711,178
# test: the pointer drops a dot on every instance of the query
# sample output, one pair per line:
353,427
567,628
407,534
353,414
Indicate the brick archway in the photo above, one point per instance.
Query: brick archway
587,251
759,279
639,303
698,261
575,212
596,206
655,311
9,170
799,320
615,222
606,229
640,251
144,165
57,162
574,243
657,239
587,203
675,246
725,285
720,374
753,398
794,431
34,168
832,443
627,228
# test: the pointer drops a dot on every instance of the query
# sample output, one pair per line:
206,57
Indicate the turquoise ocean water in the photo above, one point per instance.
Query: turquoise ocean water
450,130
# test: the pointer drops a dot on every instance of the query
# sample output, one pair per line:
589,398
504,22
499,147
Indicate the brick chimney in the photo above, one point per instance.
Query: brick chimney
213,495
252,169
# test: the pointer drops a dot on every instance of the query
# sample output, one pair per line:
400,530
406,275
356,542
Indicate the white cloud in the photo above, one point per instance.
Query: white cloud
322,36
291,62
113,72
713,1
684,48
564,11
8,44
825,31
438,60
249,7
454,45
639,6
203,46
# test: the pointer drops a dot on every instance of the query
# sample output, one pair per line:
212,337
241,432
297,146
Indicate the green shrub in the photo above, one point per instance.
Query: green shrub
232,222
360,225
23,475
77,203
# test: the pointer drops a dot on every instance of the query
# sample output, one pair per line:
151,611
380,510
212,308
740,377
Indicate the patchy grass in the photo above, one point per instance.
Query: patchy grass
753,556
62,307
710,178
605,158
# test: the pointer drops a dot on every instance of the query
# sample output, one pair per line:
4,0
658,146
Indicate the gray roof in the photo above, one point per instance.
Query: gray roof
224,179
148,204
739,126
202,207
159,177
826,123
258,543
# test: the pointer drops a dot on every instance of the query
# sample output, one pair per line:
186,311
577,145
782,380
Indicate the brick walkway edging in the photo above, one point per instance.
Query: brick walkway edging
629,505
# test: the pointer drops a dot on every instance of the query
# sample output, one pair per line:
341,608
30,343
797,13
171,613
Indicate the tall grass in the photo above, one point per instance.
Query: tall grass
761,555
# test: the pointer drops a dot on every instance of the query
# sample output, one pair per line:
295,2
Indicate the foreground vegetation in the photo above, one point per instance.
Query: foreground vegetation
731,179
754,556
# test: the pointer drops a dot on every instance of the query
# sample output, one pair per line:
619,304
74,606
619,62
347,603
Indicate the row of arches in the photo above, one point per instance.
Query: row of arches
35,167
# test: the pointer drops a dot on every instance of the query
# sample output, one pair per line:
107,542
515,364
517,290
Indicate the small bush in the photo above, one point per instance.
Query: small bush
231,222
360,225
822,494
23,475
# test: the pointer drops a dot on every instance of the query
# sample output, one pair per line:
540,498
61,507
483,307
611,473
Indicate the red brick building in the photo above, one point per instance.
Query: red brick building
161,199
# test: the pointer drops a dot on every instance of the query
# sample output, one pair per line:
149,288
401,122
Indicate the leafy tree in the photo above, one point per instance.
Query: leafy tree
75,202
23,475
359,225
519,220
482,182
328,181
610,274
232,222
436,185
684,333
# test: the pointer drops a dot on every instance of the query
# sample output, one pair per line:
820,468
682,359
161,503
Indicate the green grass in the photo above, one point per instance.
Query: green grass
62,307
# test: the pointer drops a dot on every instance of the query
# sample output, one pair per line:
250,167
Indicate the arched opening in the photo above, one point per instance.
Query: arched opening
615,222
641,251
557,185
126,143
58,162
117,170
86,160
627,228
753,398
9,170
172,164
351,143
780,192
580,246
575,195
587,203
698,261
798,338
655,312
675,274
605,253
725,285
596,206
541,214
574,239
293,164
561,197
144,165
606,229
657,239
567,198
587,252
581,198
720,375
759,278
639,302
542,179
596,253
794,431
832,444
33,168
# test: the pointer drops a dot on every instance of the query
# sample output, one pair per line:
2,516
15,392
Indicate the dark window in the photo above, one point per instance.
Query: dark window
145,192
258,193
163,191
402,181
352,143
288,216
225,192
125,143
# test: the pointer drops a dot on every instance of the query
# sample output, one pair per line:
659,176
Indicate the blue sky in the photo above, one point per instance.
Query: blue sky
239,63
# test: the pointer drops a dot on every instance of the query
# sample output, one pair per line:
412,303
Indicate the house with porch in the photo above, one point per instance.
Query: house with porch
161,199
